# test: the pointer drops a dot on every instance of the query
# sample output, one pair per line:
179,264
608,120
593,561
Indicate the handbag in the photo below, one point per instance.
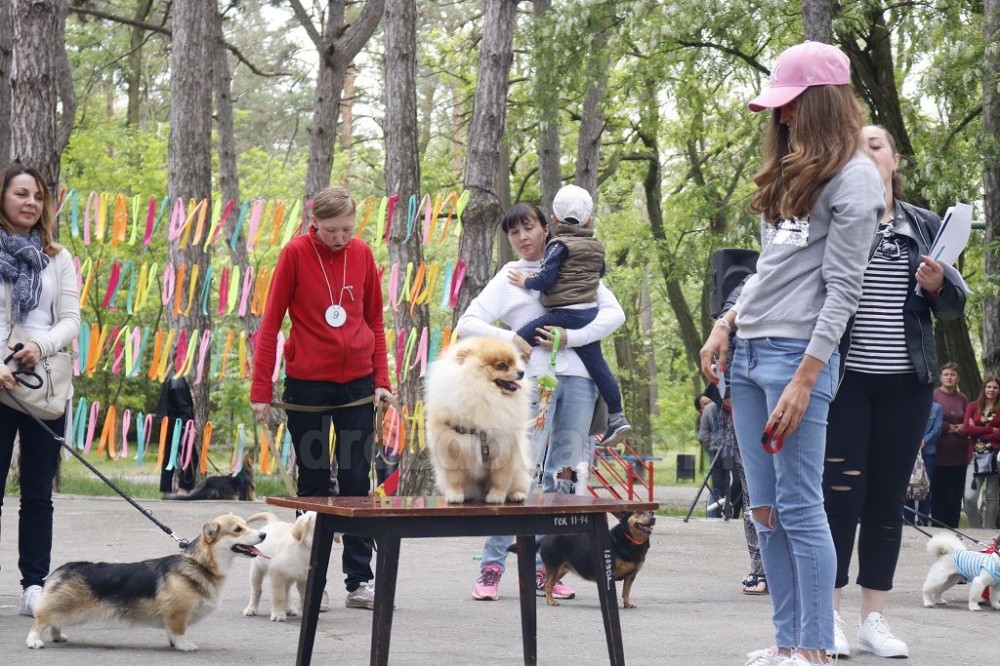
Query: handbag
984,463
56,370
920,485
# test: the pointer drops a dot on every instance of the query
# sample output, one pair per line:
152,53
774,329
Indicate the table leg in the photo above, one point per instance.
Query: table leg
319,560
526,587
386,569
601,539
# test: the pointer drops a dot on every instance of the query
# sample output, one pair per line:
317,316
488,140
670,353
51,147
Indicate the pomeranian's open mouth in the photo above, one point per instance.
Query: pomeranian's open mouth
506,386
249,551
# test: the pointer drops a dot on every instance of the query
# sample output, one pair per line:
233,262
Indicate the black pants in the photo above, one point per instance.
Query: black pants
948,493
874,431
39,463
185,476
354,428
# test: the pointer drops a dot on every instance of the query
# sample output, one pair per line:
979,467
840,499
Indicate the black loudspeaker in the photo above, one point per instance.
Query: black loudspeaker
730,266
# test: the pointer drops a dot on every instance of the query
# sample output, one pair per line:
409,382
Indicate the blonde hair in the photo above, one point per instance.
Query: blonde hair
799,162
46,224
332,202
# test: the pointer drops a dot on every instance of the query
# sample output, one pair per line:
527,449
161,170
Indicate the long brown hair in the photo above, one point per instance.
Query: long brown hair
799,162
47,222
982,394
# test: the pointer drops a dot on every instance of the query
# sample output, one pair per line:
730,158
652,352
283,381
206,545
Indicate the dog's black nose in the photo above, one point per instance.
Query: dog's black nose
520,374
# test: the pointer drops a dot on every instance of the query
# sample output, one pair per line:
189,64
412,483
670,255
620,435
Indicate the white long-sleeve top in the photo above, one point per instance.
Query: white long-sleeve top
515,306
50,329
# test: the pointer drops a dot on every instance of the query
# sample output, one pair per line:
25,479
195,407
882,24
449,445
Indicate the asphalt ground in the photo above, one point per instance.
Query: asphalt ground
690,606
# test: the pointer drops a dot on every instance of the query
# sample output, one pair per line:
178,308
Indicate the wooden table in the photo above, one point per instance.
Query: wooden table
387,520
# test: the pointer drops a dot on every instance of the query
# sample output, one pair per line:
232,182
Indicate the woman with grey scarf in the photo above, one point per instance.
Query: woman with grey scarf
38,291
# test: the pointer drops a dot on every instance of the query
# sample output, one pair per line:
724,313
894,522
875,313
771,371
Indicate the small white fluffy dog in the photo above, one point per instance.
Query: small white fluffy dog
955,562
477,410
288,545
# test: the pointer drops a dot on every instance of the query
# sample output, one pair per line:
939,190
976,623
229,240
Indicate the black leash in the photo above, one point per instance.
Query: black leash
183,543
938,523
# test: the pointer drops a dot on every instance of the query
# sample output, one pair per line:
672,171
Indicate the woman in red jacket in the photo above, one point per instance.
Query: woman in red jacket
327,282
982,426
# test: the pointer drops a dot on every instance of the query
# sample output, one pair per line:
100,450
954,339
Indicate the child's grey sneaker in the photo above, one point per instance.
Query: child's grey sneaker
618,429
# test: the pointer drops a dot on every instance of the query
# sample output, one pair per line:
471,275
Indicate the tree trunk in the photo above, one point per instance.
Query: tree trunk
337,46
991,183
646,331
588,156
137,36
547,99
489,111
347,120
34,85
189,158
817,20
402,177
6,36
229,183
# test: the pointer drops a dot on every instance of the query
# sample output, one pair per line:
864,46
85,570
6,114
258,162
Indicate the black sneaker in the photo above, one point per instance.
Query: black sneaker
618,429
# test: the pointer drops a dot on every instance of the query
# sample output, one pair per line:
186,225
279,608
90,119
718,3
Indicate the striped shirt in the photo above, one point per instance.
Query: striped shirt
878,340
969,563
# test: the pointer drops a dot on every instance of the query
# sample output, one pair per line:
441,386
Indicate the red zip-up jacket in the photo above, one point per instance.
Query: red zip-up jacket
976,429
314,350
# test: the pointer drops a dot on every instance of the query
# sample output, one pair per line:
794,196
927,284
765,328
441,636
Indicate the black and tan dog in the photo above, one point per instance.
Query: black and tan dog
240,487
170,592
562,553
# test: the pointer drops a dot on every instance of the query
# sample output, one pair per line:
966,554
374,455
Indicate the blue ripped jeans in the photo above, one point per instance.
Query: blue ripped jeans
797,549
567,433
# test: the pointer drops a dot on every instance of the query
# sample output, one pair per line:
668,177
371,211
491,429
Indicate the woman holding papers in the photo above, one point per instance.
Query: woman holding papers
878,416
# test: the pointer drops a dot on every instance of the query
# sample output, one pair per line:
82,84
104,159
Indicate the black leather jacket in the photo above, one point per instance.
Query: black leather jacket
919,227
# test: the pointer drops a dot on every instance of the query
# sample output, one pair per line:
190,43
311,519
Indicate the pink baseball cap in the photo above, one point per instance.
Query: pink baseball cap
798,68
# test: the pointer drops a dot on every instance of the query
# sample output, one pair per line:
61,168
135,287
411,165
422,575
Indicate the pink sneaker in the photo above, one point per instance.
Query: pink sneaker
559,590
489,581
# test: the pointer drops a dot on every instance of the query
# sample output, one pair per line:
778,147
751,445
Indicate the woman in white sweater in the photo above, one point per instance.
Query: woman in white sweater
564,442
38,291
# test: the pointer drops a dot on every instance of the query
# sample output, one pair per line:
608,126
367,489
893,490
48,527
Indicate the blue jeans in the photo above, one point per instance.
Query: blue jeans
797,550
567,433
590,354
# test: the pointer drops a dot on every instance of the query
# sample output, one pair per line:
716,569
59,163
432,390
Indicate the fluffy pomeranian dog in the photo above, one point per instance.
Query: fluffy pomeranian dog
477,410
953,563
171,592
287,548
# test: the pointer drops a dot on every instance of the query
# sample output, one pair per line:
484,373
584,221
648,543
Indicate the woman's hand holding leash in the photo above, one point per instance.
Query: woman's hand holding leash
260,409
7,379
29,355
548,334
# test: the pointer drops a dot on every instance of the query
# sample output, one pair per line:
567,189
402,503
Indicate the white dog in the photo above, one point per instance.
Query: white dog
288,546
955,562
477,409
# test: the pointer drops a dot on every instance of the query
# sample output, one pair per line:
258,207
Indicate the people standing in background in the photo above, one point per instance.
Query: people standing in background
953,451
38,291
982,427
881,408
928,451
710,437
176,403
820,199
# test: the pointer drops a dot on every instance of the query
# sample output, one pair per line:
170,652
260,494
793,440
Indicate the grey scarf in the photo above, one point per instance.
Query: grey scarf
21,264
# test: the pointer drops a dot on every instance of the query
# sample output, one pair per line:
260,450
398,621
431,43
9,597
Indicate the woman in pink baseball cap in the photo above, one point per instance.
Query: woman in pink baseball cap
820,199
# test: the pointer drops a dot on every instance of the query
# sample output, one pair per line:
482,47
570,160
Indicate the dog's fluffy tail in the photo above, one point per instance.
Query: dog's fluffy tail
265,516
944,543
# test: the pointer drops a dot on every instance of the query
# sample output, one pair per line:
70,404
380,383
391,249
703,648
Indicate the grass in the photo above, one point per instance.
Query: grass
139,482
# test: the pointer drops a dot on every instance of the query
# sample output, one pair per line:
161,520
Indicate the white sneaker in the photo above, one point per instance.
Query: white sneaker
29,600
324,602
841,647
767,657
875,636
362,597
